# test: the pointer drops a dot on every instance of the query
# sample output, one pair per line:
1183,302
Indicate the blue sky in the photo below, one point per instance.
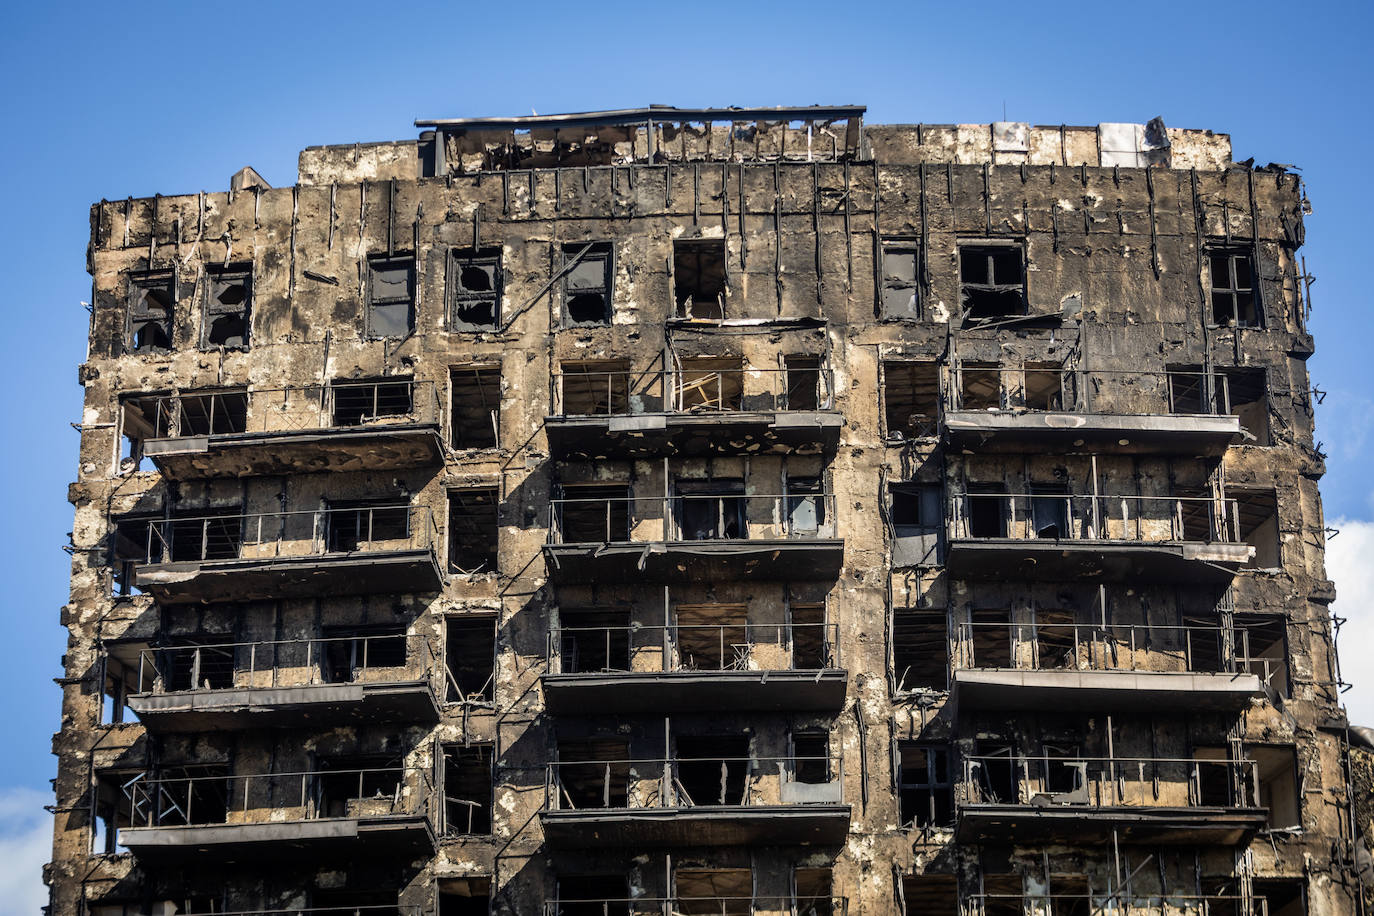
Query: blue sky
118,99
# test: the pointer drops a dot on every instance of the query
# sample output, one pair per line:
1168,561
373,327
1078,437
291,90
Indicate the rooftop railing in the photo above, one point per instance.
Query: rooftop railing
1101,647
1052,779
277,797
1126,392
692,517
686,782
1117,904
698,906
309,407
360,658
1085,517
617,392
693,647
272,535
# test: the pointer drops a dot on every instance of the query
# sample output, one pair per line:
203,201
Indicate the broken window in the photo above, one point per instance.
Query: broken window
714,892
1262,649
1278,783
140,417
474,277
804,390
711,511
805,507
920,650
476,398
470,658
111,809
990,638
1002,894
359,402
711,637
121,680
1282,896
925,789
200,534
1214,776
587,283
1050,510
135,539
911,399
815,893
900,264
987,510
390,296
1246,397
930,895
1256,522
196,663
1231,288
811,757
357,524
980,386
341,782
213,413
193,794
594,388
1057,638
992,280
1065,774
465,896
712,769
467,789
594,514
593,895
591,640
705,383
699,279
812,646
349,651
1044,386
593,773
152,300
917,524
472,530
228,301
994,773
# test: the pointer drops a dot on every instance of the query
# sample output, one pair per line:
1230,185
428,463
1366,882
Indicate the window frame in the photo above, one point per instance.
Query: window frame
209,311
458,295
1231,252
136,311
904,245
603,251
988,246
932,785
378,262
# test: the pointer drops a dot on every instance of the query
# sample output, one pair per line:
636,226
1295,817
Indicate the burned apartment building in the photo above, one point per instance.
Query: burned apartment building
727,511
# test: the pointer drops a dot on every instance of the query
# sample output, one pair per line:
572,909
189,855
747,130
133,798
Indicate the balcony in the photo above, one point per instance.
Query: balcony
1100,411
1063,536
372,812
377,425
727,801
357,550
1089,667
693,537
344,680
660,669
1118,904
699,906
711,410
1052,798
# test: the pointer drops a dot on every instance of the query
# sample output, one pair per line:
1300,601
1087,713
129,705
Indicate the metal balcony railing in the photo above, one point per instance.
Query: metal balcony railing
1102,647
1052,779
699,906
273,535
693,647
619,392
1085,517
692,517
687,782
309,407
1115,904
279,797
361,658
1119,392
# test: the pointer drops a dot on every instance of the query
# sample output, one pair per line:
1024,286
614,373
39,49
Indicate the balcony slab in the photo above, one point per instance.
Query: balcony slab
1059,431
1030,689
635,692
375,448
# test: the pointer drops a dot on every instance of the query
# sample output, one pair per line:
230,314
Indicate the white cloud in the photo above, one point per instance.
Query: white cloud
25,845
1350,564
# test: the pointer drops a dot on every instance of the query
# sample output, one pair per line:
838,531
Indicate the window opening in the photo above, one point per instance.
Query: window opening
1049,509
990,644
593,640
595,388
1283,896
699,279
1232,288
593,773
911,399
803,382
805,507
992,281
931,895
465,896
920,650
994,775
212,413
1044,388
467,789
152,299
390,296
811,757
714,511
987,510
711,770
476,394
229,297
350,651
812,646
474,288
200,534
815,889
711,637
594,513
470,658
713,892
343,782
900,265
925,789
138,424
472,530
1278,783
197,663
593,895
359,402
980,386
706,383
1257,522
1215,777
359,524
587,284
1262,649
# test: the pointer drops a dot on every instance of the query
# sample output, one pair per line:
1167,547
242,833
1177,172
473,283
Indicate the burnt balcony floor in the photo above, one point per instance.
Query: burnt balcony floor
634,692
1081,690
1062,431
398,837
1078,824
695,561
684,434
306,706
347,448
773,825
1183,562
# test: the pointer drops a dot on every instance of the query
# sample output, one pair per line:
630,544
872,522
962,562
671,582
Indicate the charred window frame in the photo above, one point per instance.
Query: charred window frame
911,399
917,523
133,541
1232,292
920,650
472,530
588,283
475,283
925,786
470,658
152,308
810,753
468,776
227,313
899,278
353,523
475,401
699,285
390,296
992,279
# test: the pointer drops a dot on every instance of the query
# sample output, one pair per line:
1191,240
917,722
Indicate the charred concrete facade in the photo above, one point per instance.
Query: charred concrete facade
718,511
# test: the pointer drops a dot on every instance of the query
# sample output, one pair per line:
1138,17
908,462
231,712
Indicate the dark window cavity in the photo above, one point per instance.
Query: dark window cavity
390,296
925,788
699,279
594,514
917,520
228,300
911,399
587,283
476,395
152,298
355,523
467,789
366,400
474,288
1256,523
472,530
992,281
470,658
920,650
1231,288
900,265
804,388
